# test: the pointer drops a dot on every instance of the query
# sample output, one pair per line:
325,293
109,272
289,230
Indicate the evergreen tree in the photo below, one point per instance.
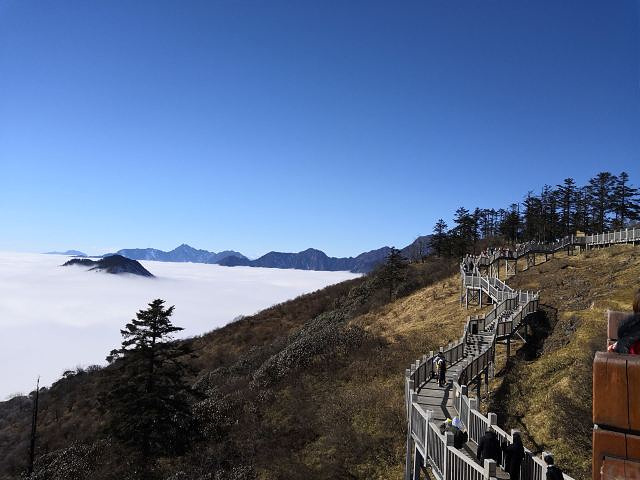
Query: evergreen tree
485,222
393,271
532,227
600,190
475,227
463,232
567,204
510,225
439,238
581,219
148,406
550,222
626,204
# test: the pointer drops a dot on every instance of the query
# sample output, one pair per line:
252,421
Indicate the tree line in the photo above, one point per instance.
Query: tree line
606,202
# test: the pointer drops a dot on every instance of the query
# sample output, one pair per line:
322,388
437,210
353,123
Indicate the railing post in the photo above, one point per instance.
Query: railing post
412,385
493,419
418,461
448,442
407,374
408,460
431,372
489,469
464,392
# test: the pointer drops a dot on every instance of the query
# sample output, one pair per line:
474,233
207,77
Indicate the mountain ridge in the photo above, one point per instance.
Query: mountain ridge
115,264
182,253
74,253
309,259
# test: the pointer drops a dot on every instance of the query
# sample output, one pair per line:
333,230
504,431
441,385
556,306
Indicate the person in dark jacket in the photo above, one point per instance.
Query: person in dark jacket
553,472
629,331
489,447
441,363
513,455
460,435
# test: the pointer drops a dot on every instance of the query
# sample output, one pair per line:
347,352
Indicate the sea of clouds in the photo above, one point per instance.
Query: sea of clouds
55,318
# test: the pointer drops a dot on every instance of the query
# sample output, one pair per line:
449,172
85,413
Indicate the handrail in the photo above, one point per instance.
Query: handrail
618,236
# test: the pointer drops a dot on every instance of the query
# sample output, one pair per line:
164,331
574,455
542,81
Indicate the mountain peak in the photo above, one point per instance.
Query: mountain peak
112,264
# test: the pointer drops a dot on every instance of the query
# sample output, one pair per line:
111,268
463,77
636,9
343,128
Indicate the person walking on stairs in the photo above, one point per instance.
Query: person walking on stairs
441,365
460,436
553,472
513,455
489,447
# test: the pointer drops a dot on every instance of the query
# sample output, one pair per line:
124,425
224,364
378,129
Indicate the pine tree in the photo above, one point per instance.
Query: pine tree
463,231
532,217
148,406
625,202
393,271
510,225
475,227
567,203
549,218
439,238
581,216
600,190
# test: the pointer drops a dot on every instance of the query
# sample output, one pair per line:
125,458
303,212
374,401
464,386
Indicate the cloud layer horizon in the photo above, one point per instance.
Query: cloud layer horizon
57,318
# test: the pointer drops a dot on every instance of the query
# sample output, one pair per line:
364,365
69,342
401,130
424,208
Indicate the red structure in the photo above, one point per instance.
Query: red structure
616,411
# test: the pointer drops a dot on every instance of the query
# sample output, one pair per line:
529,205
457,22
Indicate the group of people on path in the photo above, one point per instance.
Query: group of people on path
490,448
455,426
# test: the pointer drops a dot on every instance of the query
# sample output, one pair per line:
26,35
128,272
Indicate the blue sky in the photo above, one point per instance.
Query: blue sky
268,125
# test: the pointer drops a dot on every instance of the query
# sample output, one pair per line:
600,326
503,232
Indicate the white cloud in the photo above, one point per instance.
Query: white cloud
53,318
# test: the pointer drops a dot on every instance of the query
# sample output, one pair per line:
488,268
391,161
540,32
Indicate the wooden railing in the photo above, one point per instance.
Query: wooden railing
618,236
419,425
424,369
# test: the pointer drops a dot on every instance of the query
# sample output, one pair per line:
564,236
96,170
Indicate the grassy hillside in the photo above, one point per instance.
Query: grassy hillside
546,390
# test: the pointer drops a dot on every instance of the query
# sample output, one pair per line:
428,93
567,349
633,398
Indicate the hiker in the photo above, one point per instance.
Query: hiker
513,455
441,363
460,436
629,331
489,447
553,472
446,426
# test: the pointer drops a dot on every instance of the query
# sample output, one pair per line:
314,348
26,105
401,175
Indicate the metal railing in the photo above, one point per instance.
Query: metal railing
424,369
619,236
419,425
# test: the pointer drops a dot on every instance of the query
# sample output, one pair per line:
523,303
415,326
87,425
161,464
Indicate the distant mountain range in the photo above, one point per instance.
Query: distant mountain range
310,259
183,253
111,264
73,253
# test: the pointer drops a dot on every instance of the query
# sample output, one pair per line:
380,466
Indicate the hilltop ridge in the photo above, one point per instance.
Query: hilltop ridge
309,259
115,264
